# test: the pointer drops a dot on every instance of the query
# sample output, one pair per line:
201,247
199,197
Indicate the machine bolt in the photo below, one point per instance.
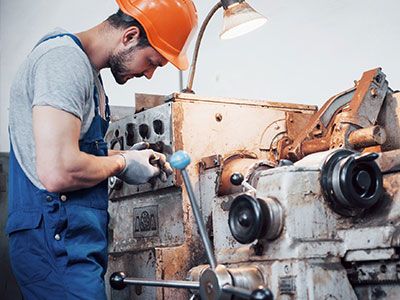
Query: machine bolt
286,269
218,117
374,92
383,268
378,78
258,248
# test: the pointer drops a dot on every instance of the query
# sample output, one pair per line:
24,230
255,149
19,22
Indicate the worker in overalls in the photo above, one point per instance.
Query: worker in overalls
59,162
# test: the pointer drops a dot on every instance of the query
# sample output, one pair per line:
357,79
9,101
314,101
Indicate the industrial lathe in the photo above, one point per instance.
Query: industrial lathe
269,200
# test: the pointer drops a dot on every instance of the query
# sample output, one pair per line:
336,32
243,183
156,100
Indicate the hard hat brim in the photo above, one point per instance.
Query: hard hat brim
181,61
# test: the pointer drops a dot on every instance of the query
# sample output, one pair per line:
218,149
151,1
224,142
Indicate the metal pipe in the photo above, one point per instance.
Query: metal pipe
315,145
195,285
180,80
366,137
192,71
199,220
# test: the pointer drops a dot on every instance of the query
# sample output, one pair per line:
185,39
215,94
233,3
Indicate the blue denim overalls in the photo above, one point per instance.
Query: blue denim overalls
58,241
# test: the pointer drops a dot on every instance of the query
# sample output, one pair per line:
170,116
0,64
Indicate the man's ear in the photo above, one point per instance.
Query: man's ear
131,35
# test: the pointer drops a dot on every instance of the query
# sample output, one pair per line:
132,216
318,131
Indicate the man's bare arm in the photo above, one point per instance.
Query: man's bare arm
60,165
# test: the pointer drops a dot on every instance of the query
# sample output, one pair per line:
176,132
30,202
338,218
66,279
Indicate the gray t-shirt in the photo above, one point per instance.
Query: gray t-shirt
56,73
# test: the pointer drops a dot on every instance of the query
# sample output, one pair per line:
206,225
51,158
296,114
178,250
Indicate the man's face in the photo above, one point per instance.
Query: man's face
135,61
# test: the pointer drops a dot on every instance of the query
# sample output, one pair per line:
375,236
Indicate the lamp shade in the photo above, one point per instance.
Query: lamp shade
240,18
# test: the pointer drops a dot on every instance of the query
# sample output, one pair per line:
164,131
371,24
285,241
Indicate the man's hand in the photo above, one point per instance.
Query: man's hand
138,167
165,168
157,160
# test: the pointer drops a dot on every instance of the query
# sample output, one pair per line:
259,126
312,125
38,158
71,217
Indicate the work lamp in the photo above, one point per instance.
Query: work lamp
239,18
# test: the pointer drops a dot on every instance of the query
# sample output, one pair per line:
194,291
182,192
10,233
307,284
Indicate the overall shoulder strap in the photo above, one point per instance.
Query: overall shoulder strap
73,37
96,93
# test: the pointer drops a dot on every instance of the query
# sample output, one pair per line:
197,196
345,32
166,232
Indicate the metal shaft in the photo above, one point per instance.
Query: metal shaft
195,285
199,220
366,137
189,86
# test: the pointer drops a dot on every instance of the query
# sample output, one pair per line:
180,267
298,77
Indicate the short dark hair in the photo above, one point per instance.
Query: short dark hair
120,20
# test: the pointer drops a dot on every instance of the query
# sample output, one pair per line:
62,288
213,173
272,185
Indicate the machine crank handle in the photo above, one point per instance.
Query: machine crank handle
238,179
119,281
261,293
180,160
371,156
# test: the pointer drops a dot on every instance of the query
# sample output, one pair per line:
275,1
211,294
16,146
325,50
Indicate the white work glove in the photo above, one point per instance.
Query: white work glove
138,168
143,165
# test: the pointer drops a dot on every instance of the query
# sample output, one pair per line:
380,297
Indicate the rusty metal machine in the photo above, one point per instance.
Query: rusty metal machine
295,203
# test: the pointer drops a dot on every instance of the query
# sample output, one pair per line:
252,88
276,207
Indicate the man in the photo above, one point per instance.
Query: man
59,163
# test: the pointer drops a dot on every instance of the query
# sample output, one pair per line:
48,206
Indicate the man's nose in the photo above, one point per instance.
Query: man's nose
149,73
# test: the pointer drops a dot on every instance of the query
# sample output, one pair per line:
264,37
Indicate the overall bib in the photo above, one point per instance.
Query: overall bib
58,241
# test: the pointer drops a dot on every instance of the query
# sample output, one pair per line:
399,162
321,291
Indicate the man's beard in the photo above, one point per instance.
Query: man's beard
117,64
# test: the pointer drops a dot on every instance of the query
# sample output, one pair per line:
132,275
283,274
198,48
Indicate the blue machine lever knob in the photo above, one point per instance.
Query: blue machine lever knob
179,160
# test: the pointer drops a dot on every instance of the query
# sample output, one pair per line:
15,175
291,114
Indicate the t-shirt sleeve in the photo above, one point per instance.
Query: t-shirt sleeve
62,78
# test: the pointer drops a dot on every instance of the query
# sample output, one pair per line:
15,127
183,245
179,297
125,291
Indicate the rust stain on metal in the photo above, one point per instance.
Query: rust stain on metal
244,166
315,145
342,122
146,101
389,161
177,123
210,162
173,264
366,137
295,123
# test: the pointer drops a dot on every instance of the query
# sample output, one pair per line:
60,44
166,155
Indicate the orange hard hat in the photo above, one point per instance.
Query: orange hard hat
169,25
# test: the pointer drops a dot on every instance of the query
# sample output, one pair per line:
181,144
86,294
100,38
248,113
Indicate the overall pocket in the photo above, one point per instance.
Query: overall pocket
86,237
27,246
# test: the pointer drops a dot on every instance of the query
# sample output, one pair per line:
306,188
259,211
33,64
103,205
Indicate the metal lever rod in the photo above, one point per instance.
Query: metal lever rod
119,281
178,284
199,220
180,160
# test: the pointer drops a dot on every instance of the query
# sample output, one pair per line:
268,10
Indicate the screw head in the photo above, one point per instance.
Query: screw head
374,92
218,117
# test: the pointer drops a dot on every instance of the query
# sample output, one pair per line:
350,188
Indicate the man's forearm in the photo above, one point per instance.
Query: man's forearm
112,152
81,171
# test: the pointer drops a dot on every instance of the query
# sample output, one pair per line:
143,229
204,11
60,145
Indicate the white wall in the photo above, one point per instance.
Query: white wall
308,51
